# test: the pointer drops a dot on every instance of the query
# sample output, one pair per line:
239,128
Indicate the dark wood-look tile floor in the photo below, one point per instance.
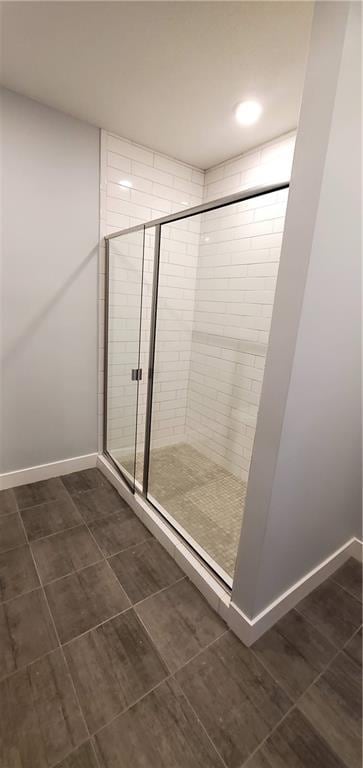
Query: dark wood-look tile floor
99,502
65,552
84,599
26,631
11,532
7,502
83,757
295,744
234,697
110,658
118,531
294,652
112,666
145,569
17,573
333,611
180,622
161,730
50,517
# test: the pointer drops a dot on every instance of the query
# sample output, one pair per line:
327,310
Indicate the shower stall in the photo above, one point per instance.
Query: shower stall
188,308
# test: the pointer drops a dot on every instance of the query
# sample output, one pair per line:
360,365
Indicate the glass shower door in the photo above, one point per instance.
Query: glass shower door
124,285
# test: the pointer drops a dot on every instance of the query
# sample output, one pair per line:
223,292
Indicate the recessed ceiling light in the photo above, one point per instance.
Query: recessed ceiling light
125,183
248,112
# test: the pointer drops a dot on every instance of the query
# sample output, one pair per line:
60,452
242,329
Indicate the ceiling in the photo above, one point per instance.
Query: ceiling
167,75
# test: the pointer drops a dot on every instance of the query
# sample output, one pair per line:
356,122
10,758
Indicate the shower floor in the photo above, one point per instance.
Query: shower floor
205,499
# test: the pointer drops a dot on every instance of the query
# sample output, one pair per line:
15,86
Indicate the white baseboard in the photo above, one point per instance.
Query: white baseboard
357,550
45,471
248,630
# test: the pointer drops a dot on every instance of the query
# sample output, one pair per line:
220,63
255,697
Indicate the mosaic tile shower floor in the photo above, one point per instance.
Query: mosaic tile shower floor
203,497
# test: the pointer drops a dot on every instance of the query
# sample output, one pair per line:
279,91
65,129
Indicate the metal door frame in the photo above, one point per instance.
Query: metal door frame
223,202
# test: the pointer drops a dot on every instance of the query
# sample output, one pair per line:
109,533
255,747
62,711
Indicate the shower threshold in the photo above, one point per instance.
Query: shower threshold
201,499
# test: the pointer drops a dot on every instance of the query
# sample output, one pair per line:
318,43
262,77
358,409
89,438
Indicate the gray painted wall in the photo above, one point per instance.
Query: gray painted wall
307,474
50,229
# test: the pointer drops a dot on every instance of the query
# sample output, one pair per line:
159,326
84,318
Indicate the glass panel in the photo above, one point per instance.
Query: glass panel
216,289
126,256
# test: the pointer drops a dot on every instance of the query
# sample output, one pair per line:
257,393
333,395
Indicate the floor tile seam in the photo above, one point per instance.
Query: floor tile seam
23,594
8,514
164,589
348,592
23,667
12,549
319,674
296,703
140,544
202,650
114,575
88,740
57,533
104,484
103,517
41,503
133,606
281,685
58,639
96,626
268,736
309,621
153,643
210,740
277,682
129,546
70,573
102,556
159,591
123,711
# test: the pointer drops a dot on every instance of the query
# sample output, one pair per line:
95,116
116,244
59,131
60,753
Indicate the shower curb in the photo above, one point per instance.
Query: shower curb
248,630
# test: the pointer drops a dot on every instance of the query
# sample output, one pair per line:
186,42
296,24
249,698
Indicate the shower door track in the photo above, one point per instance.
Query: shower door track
223,202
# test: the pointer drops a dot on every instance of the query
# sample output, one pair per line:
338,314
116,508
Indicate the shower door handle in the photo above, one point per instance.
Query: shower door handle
136,374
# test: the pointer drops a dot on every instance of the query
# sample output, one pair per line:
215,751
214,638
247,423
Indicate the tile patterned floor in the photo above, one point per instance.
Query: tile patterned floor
110,658
203,497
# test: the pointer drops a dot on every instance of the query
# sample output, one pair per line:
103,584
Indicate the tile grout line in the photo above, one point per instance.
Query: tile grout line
345,589
171,675
107,558
159,591
58,764
295,703
57,635
82,522
210,740
16,597
323,634
261,660
134,703
103,557
70,573
168,677
96,626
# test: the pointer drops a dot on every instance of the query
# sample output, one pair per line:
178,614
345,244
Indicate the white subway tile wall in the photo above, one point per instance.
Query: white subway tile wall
235,286
138,185
217,282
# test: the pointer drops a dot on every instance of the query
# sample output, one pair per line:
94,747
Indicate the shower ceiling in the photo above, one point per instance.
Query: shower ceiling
164,74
